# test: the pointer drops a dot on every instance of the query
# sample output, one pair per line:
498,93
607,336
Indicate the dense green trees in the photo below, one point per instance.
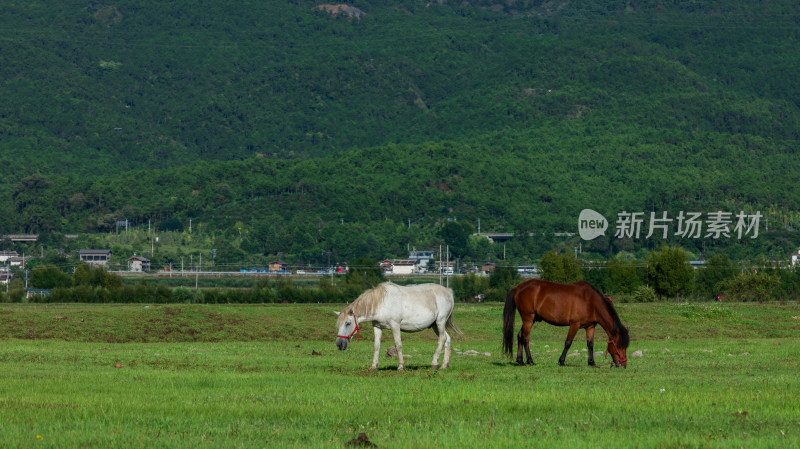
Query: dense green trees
562,268
363,273
48,277
711,277
287,131
669,271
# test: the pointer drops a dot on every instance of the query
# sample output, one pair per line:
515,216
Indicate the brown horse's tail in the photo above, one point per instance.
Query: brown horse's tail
509,314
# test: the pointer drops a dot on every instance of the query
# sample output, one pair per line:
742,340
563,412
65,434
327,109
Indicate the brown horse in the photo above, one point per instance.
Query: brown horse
579,306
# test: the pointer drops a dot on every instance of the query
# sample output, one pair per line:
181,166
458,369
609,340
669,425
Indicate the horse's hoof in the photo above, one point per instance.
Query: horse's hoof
373,367
399,368
434,367
561,362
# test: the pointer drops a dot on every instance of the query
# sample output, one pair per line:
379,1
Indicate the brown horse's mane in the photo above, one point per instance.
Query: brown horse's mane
624,338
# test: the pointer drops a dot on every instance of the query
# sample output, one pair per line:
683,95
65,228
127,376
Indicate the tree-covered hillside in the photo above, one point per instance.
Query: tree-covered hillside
280,119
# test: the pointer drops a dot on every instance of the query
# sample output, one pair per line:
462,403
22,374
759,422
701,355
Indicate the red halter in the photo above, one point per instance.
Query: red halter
355,331
611,343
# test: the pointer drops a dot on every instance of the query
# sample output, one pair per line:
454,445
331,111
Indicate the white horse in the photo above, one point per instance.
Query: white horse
410,309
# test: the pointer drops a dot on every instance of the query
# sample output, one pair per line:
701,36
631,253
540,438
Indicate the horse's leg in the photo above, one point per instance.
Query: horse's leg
528,346
438,331
395,327
590,344
446,362
444,341
376,356
573,329
524,339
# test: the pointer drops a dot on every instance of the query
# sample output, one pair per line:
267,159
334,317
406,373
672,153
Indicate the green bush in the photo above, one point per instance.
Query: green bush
49,277
467,287
669,271
751,286
502,279
644,293
717,270
560,268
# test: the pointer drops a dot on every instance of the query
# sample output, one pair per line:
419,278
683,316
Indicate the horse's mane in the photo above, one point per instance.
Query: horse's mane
368,302
624,338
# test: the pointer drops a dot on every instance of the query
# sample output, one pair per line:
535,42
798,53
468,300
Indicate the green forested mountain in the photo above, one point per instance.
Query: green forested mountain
289,129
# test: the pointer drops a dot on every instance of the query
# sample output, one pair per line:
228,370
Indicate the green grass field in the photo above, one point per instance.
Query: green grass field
711,375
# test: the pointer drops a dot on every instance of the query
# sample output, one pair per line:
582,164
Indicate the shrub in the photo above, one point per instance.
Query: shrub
502,279
669,271
467,287
560,268
644,293
49,277
717,270
753,286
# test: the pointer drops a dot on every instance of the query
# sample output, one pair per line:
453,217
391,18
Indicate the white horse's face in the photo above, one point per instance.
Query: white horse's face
347,327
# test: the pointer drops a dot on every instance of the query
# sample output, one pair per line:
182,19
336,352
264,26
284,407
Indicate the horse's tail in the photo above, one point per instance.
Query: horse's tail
451,326
509,314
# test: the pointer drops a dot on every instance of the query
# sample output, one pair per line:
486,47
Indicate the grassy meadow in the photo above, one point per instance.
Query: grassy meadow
186,376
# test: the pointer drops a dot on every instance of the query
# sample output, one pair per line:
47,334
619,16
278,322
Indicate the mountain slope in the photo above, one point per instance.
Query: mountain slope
275,112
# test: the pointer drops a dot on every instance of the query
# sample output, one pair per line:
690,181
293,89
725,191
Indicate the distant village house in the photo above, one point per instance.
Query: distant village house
5,275
278,266
795,257
18,261
399,266
138,264
6,255
95,257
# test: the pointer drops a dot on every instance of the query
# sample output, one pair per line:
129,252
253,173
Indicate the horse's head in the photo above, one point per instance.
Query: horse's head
347,326
618,348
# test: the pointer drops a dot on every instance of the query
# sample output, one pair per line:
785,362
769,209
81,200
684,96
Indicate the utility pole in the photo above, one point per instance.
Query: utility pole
447,260
441,268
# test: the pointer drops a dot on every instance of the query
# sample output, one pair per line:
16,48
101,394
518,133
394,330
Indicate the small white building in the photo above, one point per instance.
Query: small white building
5,275
138,264
5,255
19,261
399,266
795,257
421,258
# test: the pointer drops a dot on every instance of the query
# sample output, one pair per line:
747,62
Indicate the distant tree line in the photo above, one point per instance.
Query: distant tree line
666,276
